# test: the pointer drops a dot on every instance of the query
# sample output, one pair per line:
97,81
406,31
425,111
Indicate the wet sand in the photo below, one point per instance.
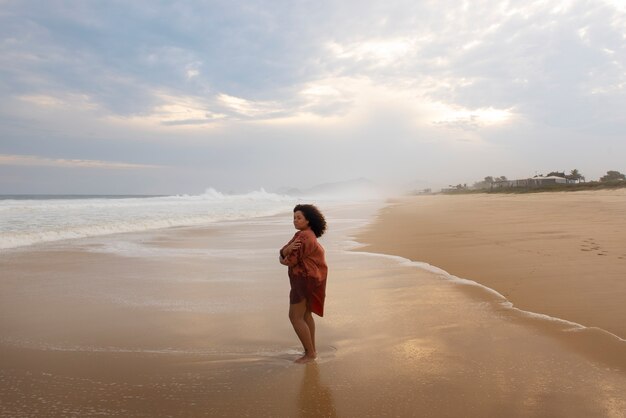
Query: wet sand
193,322
559,254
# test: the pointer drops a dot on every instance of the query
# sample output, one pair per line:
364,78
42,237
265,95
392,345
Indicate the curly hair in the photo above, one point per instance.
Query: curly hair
317,222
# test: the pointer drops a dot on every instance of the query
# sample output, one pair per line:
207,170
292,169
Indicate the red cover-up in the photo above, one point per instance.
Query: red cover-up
307,271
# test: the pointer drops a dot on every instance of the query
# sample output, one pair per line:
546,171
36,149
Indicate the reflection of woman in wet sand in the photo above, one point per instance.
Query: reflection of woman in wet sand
315,399
307,275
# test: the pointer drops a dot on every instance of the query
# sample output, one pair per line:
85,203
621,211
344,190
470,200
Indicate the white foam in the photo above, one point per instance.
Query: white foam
32,221
130,248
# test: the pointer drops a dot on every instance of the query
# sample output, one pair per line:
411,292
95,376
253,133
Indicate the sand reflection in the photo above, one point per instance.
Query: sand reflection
315,399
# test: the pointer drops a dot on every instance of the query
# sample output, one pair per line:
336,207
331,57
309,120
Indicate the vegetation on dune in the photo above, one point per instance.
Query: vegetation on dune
574,181
613,176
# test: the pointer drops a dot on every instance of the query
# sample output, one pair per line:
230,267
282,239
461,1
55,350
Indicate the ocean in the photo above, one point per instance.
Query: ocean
33,219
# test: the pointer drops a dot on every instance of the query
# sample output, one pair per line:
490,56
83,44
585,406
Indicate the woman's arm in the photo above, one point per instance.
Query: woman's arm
288,255
291,253
303,246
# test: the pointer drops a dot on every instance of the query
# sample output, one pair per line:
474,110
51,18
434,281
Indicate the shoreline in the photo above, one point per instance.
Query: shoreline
594,343
483,242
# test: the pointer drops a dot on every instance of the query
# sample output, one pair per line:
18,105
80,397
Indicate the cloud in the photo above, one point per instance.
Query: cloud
380,52
250,63
249,108
180,110
472,119
379,81
69,101
32,160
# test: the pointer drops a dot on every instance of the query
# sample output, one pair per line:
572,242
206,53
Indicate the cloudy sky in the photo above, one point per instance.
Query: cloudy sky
175,97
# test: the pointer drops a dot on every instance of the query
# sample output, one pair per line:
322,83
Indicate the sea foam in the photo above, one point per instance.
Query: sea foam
35,220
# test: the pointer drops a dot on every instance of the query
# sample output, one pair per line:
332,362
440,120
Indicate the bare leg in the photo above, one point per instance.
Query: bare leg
308,318
296,316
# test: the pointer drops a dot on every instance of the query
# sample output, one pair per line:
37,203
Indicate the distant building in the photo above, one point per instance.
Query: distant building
500,184
536,181
545,180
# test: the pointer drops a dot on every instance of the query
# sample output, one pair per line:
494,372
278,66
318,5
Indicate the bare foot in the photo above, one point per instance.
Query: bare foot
306,358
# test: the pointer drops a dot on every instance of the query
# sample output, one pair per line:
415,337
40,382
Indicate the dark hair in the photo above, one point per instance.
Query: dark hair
317,223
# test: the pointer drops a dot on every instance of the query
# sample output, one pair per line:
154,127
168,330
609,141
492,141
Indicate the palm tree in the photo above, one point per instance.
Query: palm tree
575,175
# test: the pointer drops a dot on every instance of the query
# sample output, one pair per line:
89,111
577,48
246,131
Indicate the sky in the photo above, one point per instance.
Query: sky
167,97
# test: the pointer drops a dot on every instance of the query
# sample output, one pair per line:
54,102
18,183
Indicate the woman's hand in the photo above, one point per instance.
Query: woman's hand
291,247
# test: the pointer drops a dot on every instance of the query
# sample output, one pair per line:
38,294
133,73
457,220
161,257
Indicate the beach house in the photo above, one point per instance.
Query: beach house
536,181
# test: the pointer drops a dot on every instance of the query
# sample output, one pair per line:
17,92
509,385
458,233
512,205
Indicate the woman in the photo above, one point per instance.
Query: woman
307,275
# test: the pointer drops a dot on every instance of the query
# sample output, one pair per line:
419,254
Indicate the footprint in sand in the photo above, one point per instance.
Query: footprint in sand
589,244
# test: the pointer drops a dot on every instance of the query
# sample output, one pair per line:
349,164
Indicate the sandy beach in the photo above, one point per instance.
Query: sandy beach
193,322
559,254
